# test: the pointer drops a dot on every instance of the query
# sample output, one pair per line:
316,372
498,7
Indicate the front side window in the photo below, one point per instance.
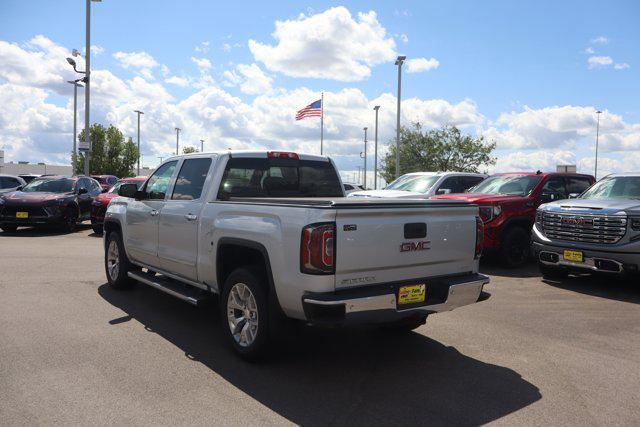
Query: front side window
117,185
622,187
157,185
416,183
515,185
190,180
64,185
272,177
555,186
6,182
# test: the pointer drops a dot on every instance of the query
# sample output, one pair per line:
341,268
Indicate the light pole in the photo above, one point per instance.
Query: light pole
76,85
365,158
202,145
87,91
160,159
138,112
375,153
177,140
598,112
399,62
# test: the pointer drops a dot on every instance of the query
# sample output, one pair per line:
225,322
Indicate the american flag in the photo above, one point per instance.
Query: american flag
312,110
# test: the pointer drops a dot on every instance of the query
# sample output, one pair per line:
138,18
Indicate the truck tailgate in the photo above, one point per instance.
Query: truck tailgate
381,243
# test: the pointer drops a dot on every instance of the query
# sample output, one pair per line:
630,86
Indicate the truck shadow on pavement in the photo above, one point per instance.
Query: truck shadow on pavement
339,376
494,267
610,287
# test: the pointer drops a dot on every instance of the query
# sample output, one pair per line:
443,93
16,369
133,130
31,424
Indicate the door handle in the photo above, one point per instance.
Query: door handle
154,213
191,217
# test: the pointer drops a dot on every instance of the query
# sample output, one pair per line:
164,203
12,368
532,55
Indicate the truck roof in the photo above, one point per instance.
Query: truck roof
260,154
541,174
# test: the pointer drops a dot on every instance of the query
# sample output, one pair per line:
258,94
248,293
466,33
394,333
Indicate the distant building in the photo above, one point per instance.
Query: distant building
566,168
24,168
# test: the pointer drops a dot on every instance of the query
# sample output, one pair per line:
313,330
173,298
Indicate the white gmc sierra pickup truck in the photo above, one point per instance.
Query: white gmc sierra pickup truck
274,236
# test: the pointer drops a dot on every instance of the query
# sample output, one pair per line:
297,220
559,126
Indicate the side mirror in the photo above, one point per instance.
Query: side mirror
574,195
443,191
128,190
82,191
547,197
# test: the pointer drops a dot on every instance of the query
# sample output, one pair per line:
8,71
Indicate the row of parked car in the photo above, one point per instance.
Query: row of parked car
58,201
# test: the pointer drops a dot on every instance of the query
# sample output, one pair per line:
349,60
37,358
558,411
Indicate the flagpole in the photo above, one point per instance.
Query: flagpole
321,121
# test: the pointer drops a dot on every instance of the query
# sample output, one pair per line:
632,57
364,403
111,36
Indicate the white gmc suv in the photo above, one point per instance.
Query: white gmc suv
274,236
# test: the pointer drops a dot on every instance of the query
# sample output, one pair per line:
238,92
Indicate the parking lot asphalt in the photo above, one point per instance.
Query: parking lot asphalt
74,351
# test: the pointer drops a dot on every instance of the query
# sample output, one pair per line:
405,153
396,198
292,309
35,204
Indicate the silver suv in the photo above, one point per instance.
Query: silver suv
597,231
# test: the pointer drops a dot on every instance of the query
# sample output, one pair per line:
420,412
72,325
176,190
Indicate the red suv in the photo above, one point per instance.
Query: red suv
100,204
508,203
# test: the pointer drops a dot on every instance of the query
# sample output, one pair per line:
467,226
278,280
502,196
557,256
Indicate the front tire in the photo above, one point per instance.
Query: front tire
97,228
515,247
116,264
245,313
70,220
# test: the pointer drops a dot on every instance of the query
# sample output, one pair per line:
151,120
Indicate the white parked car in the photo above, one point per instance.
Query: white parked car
274,236
423,185
350,187
10,183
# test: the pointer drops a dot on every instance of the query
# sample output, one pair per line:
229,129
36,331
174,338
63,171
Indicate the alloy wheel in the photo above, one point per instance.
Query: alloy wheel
113,260
242,314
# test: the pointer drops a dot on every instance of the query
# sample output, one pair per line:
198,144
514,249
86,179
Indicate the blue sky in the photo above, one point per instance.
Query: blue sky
516,72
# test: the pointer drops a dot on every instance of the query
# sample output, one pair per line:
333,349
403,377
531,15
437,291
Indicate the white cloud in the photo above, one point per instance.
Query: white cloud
135,60
419,65
178,81
622,66
601,40
256,81
331,45
202,63
562,127
202,47
589,50
404,38
231,78
599,61
531,161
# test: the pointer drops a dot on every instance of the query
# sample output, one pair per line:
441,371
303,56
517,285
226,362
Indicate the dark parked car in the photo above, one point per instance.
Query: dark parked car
52,200
10,183
99,205
105,181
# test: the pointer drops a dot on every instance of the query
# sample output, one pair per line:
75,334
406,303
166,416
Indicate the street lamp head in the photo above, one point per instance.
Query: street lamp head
138,111
377,107
598,112
71,62
365,128
400,59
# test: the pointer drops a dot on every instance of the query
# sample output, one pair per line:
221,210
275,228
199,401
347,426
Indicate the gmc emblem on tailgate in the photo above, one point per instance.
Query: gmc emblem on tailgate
415,246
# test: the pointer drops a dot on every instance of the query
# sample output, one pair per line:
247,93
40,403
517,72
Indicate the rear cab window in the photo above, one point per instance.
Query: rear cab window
277,177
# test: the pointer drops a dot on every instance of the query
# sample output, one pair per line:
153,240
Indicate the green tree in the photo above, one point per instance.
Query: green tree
437,150
110,154
189,149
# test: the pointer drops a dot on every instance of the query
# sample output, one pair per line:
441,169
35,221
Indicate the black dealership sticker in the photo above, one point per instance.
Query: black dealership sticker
349,227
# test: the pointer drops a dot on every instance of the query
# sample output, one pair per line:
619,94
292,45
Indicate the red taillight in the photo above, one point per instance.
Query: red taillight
317,248
282,155
479,237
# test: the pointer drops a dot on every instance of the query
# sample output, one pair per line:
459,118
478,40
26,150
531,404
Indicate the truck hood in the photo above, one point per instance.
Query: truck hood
19,198
388,194
481,198
597,205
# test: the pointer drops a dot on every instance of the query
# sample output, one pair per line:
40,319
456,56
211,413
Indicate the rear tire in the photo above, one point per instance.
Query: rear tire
515,247
244,310
116,264
9,228
552,272
97,228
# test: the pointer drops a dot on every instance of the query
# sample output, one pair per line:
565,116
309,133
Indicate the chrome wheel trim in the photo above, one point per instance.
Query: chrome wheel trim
242,314
113,260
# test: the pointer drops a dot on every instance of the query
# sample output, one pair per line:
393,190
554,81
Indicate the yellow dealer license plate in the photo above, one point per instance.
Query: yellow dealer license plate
22,214
575,256
412,294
